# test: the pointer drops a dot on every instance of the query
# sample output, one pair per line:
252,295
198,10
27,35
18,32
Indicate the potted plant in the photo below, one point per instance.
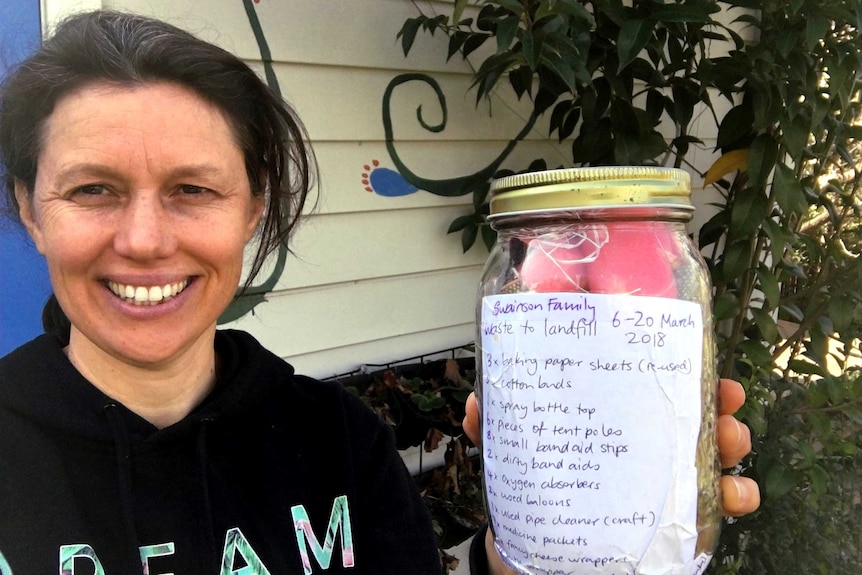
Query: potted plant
424,404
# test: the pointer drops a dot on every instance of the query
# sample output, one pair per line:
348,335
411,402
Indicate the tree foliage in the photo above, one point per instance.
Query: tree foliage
783,244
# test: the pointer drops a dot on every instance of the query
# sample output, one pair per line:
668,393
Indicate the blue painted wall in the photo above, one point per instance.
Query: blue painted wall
24,284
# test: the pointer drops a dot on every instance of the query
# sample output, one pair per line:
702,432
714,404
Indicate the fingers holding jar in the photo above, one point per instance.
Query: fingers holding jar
739,495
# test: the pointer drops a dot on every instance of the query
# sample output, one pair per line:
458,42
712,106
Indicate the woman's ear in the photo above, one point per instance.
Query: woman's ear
25,212
258,205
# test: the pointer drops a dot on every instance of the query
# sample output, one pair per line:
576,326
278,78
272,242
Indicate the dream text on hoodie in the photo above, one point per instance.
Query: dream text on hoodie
272,474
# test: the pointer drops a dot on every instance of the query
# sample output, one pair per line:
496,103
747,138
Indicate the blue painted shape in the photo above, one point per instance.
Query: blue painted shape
24,283
389,183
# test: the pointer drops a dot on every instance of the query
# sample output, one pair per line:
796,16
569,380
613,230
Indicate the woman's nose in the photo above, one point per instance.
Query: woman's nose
145,230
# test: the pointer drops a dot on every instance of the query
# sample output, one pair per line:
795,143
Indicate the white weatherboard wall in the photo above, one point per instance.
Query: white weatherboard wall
375,279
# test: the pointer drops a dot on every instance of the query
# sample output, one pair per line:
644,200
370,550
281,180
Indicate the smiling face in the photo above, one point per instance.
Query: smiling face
142,208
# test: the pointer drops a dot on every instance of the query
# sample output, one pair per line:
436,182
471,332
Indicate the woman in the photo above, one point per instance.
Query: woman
136,438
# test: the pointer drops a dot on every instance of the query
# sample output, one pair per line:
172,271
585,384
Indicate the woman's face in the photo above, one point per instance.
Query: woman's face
142,208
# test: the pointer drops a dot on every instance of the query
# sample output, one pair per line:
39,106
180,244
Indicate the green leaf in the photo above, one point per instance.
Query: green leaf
642,70
766,324
758,354
571,8
778,483
762,157
506,31
788,190
602,101
818,478
841,310
816,27
468,236
594,145
456,41
713,230
854,414
676,56
458,11
559,114
816,392
513,6
805,367
427,401
750,18
627,150
785,44
431,24
569,124
623,118
460,223
736,260
821,423
735,125
807,452
528,46
817,347
747,213
521,79
793,311
561,68
726,73
676,12
684,100
655,103
634,35
408,33
835,390
821,110
768,284
473,43
778,238
725,307
681,143
846,156
491,71
795,134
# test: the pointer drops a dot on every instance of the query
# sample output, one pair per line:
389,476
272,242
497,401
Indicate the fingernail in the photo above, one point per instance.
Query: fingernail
740,433
742,495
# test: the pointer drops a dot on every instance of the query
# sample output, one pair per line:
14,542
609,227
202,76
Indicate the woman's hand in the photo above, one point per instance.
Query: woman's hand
739,495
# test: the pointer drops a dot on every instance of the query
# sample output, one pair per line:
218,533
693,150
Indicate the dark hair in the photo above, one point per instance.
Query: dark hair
128,49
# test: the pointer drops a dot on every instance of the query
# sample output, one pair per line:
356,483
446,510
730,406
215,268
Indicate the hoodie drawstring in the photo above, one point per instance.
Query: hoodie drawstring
122,445
124,475
209,528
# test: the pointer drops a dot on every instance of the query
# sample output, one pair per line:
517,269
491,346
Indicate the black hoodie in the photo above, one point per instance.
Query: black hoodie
272,474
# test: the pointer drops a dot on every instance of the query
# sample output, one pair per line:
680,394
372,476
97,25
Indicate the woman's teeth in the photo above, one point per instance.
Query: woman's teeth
141,295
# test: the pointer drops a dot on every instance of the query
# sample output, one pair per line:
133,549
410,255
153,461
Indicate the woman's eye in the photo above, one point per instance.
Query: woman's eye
189,189
90,190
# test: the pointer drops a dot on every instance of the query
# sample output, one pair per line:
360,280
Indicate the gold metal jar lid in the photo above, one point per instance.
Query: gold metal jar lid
584,188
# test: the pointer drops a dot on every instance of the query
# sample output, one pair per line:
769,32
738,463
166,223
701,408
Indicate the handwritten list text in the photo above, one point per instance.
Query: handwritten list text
591,410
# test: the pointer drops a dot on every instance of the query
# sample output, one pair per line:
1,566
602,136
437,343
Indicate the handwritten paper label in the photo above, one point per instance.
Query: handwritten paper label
591,413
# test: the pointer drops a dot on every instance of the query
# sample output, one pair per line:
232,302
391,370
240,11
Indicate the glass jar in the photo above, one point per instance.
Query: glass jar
596,376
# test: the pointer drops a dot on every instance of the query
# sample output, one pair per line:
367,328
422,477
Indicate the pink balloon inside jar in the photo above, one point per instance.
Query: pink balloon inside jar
559,261
611,258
